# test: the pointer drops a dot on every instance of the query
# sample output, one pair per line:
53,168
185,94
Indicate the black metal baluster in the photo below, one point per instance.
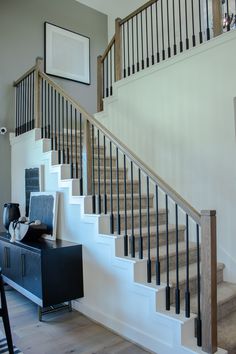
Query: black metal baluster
52,116
149,261
200,21
124,50
137,40
76,148
23,107
167,258
71,144
180,29
228,15
59,128
118,191
174,28
42,109
103,79
18,92
157,35
162,32
29,103
26,104
107,77
67,134
105,177
49,127
152,37
55,117
20,110
147,41
17,109
45,109
24,117
158,265
63,131
81,157
140,247
22,103
126,251
93,174
17,99
186,24
111,193
33,98
142,44
111,88
99,176
132,211
133,66
199,321
128,48
193,26
207,18
177,290
187,292
168,28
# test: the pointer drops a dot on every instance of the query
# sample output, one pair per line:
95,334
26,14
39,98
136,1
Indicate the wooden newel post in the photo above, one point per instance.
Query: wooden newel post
118,51
39,64
87,158
209,281
217,17
100,81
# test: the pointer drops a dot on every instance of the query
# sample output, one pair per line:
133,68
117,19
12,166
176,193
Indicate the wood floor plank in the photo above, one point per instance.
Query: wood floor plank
61,333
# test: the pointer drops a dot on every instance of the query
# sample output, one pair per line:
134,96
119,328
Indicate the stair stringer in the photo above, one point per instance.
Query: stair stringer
116,292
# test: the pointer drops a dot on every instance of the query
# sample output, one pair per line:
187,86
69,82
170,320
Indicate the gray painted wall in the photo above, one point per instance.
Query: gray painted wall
21,41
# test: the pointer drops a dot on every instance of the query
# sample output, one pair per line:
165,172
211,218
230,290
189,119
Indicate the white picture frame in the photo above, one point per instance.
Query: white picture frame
66,54
44,207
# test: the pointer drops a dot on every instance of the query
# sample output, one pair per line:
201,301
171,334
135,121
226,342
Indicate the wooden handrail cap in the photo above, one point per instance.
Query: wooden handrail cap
208,212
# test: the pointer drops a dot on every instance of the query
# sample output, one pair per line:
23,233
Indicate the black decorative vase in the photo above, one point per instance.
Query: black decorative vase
11,212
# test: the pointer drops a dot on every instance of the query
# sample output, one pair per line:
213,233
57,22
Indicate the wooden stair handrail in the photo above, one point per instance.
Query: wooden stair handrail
196,216
136,12
37,66
112,41
28,72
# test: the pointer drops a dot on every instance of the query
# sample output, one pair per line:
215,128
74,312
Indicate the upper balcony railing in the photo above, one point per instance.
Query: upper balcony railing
156,31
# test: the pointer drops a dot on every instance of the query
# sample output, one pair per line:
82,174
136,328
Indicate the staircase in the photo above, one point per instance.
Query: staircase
226,292
171,246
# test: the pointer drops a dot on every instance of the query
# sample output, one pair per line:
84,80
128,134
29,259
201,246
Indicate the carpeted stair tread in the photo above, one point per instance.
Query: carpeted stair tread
182,274
162,229
227,333
136,212
226,299
172,250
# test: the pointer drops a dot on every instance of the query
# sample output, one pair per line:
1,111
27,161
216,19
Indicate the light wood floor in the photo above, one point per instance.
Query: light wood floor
61,333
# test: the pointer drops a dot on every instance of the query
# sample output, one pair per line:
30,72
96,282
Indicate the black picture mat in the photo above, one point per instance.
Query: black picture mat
31,185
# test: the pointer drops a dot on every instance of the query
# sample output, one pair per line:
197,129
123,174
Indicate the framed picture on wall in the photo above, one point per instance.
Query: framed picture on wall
66,54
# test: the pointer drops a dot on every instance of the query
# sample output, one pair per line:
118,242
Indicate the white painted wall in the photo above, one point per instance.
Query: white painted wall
179,117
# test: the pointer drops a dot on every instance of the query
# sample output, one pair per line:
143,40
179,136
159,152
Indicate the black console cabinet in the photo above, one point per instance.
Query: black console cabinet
47,272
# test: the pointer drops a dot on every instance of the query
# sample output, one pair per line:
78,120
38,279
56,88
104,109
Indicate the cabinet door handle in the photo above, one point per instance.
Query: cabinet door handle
23,265
6,257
